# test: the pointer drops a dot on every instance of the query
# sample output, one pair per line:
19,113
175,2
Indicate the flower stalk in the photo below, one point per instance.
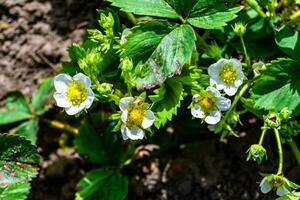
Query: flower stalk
280,153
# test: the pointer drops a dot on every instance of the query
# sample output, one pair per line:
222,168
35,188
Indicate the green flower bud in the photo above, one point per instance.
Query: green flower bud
239,28
257,153
285,114
272,120
258,68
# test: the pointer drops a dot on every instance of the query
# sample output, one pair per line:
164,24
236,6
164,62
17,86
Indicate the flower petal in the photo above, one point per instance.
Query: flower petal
61,82
73,110
213,90
123,132
89,101
197,111
223,103
124,116
134,134
282,190
148,119
124,101
238,82
213,117
61,100
83,78
265,186
230,90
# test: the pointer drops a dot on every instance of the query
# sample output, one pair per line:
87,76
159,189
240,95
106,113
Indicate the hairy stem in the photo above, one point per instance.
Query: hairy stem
262,136
280,154
295,150
61,125
237,98
248,61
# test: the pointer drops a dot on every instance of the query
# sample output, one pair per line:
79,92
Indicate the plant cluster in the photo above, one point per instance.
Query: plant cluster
146,59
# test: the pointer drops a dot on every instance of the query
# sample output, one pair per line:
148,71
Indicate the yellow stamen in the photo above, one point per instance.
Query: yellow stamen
76,93
135,117
207,101
228,74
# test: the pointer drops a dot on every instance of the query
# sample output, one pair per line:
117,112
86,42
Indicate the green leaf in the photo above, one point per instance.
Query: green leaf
210,14
158,8
290,196
76,51
28,129
103,184
88,142
166,108
288,41
41,98
174,51
278,86
15,191
16,109
18,159
143,39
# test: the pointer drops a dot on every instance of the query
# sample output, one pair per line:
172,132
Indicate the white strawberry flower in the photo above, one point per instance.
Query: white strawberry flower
208,104
274,182
135,117
73,93
227,75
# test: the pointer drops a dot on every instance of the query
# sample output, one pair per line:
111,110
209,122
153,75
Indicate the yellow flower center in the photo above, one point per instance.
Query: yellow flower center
228,74
206,104
207,101
76,93
277,181
135,117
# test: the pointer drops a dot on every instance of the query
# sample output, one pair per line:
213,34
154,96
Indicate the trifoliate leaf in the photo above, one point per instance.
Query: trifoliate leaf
18,158
142,40
173,52
278,86
103,184
166,108
288,41
41,98
16,109
210,14
158,8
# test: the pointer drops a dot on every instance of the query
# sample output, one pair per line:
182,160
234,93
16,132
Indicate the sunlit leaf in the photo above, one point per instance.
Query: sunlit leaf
16,109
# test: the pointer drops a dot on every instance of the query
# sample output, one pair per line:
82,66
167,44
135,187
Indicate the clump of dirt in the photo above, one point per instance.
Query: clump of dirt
34,36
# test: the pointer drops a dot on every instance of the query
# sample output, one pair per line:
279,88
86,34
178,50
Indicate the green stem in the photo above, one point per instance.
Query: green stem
182,20
253,4
295,150
248,61
280,154
262,136
237,98
131,17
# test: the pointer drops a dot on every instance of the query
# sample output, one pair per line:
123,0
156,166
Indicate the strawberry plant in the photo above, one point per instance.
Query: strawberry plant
146,62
